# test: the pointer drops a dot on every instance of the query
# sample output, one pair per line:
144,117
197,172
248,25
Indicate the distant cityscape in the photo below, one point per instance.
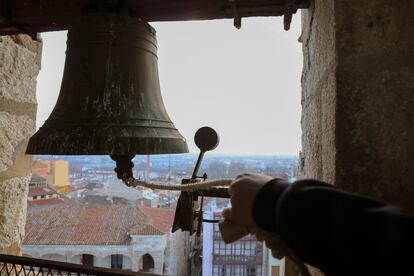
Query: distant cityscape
79,212
173,167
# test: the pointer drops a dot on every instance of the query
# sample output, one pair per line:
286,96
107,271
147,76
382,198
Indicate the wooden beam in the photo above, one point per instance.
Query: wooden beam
32,16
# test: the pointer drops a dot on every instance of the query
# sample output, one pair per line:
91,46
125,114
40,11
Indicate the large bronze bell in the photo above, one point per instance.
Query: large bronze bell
110,100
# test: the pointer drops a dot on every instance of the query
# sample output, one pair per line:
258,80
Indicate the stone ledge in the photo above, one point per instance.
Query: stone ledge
22,166
18,108
14,130
27,42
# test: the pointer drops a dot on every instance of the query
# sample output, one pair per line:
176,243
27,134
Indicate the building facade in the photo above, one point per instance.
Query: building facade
273,266
55,171
244,257
119,236
59,173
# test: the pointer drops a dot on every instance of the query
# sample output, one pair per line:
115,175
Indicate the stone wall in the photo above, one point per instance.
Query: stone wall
318,91
375,99
176,259
155,245
358,97
19,66
318,157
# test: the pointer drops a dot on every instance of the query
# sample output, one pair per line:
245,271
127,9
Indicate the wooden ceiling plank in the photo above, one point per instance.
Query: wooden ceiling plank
52,15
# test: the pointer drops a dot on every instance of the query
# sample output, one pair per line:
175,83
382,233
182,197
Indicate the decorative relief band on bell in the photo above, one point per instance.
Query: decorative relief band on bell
120,31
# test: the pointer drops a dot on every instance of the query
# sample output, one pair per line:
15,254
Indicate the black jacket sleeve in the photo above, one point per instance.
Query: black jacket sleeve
339,232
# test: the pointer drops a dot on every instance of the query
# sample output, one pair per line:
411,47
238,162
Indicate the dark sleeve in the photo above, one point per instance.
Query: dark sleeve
339,232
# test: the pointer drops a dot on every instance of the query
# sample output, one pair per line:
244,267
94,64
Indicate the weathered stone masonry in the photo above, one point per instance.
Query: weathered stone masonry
358,97
19,66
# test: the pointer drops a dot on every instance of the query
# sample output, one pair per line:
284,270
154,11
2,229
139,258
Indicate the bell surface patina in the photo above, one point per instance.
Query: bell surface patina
110,100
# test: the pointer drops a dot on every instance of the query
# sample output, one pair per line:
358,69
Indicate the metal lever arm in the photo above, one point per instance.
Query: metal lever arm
187,216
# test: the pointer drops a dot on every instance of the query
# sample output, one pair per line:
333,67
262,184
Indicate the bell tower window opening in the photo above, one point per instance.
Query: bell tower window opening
249,105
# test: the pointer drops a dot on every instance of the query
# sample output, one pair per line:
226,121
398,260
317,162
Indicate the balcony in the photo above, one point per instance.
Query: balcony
23,266
237,259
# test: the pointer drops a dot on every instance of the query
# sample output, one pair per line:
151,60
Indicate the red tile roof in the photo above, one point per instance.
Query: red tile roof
40,168
44,202
146,230
37,178
41,190
76,223
162,219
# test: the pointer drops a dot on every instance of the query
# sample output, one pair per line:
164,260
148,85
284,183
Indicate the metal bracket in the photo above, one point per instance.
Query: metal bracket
236,14
189,212
289,10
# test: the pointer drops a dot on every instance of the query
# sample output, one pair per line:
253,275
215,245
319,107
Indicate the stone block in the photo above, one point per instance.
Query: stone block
13,131
27,42
318,91
21,166
19,68
358,97
373,27
13,205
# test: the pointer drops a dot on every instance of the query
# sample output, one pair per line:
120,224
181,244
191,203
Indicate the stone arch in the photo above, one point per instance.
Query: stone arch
75,259
106,260
127,262
148,263
116,260
78,258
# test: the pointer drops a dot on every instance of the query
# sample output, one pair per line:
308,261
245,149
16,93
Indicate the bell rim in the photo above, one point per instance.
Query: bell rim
118,146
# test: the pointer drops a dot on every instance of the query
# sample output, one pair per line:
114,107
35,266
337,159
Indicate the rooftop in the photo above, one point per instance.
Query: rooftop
77,223
36,178
44,202
41,190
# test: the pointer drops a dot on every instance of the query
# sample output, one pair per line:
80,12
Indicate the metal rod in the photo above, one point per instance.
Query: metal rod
197,166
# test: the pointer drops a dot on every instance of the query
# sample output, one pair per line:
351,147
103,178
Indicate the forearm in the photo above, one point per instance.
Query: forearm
332,229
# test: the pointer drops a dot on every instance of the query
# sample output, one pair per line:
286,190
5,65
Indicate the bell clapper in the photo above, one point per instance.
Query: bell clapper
124,167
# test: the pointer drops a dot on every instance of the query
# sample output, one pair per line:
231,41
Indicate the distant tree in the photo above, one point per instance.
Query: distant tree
75,167
237,168
274,169
140,165
217,169
183,169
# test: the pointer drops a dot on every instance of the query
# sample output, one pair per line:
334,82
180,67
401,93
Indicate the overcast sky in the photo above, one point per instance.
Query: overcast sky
244,83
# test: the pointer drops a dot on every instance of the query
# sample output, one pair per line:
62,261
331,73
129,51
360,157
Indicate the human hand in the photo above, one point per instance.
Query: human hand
243,191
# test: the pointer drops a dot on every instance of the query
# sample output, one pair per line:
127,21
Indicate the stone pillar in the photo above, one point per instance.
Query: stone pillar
358,97
19,67
318,91
375,99
158,262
